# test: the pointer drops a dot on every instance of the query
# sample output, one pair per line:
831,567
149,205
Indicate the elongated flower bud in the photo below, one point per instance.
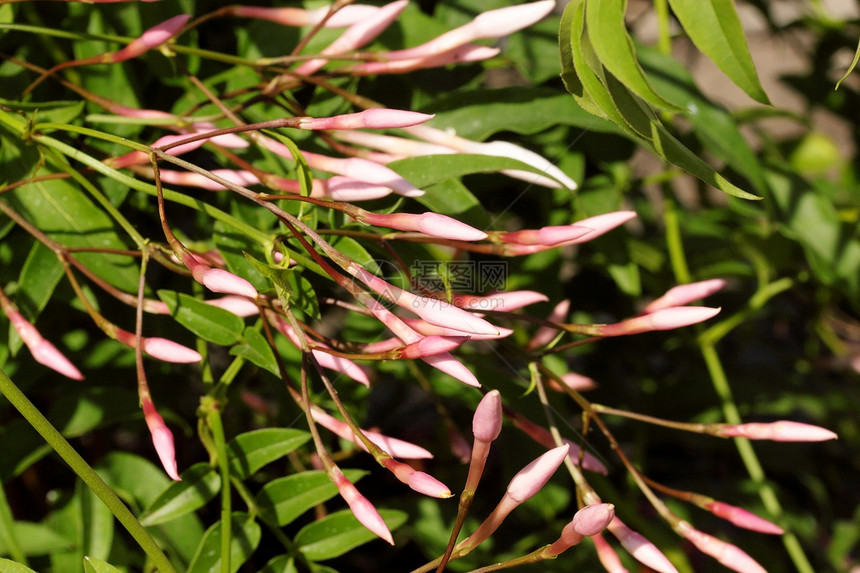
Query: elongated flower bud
608,557
361,508
391,446
238,305
547,236
490,24
685,294
781,431
506,301
429,223
587,522
459,55
43,351
743,518
726,553
573,381
368,119
219,280
363,170
663,319
326,360
162,438
431,346
150,39
640,548
545,334
159,348
487,421
191,179
344,17
419,481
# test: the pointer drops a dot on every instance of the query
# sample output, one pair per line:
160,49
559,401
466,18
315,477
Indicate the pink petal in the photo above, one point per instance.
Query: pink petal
487,421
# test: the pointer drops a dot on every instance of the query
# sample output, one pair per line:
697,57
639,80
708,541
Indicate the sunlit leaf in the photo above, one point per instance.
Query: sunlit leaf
337,533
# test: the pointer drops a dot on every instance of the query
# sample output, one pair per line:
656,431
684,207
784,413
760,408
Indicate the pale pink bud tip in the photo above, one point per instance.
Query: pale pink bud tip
640,548
685,294
170,351
428,485
367,119
504,21
726,553
432,345
534,476
781,431
219,280
442,226
238,305
43,351
743,518
663,319
362,509
592,519
162,439
487,422
159,34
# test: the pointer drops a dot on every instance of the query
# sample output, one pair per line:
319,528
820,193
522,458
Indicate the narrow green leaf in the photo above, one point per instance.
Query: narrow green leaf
251,451
200,483
209,322
244,540
256,349
39,276
716,30
78,411
614,48
339,532
426,170
37,539
7,566
850,67
95,565
284,499
98,523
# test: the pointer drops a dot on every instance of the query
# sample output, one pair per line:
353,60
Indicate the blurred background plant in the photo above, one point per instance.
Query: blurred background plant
786,344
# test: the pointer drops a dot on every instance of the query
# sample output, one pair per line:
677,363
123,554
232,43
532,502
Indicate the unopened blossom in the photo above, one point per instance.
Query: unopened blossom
427,329
743,518
505,300
192,179
429,223
344,17
150,39
359,34
459,55
238,305
162,438
487,421
663,319
685,294
215,279
431,346
419,481
573,381
544,437
326,360
391,446
729,555
376,118
160,348
546,334
546,236
781,431
587,522
489,24
42,350
607,555
640,548
361,508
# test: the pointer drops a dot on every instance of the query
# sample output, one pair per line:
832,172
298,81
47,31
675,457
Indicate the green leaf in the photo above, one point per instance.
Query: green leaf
284,499
94,565
209,322
478,115
200,483
245,536
251,451
7,566
78,411
72,219
339,532
614,48
256,349
38,539
850,67
426,170
233,245
715,29
39,276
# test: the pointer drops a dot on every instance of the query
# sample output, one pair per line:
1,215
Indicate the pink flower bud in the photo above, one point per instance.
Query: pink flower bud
432,345
490,24
326,360
169,351
361,508
685,294
391,446
487,421
601,224
368,119
545,334
781,431
219,280
357,168
743,518
544,438
43,351
726,553
608,557
547,236
360,33
344,17
452,367
534,476
574,381
640,548
419,481
506,301
459,55
592,519
162,438
429,223
663,319
238,305
348,189
427,329
151,38
190,179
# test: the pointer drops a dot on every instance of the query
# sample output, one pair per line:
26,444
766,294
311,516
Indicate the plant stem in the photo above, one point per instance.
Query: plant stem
213,418
87,474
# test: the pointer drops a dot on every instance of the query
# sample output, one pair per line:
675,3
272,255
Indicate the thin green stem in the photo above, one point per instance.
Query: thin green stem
664,40
213,418
87,474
